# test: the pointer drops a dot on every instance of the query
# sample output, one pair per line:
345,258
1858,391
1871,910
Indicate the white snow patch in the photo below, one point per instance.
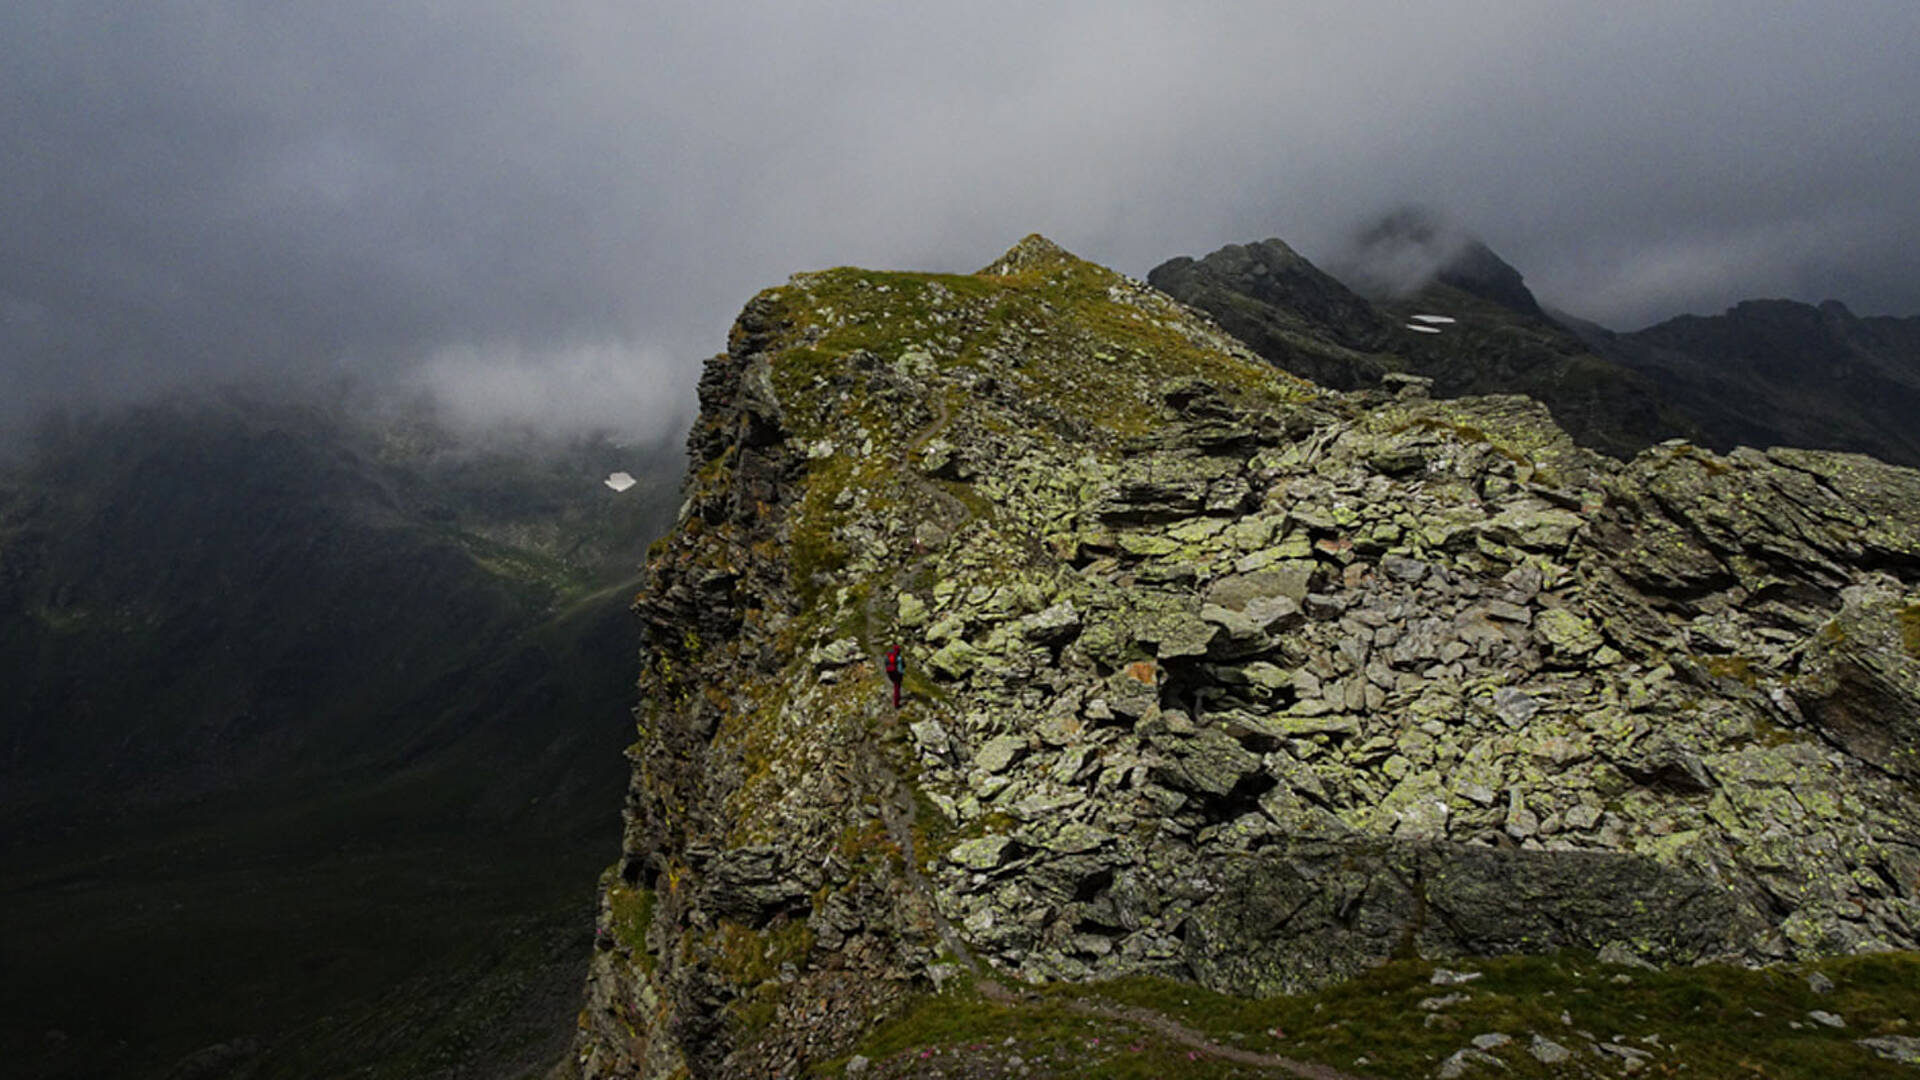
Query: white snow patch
619,481
1423,329
1434,318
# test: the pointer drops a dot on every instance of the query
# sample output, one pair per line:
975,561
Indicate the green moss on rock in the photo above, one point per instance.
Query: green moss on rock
632,911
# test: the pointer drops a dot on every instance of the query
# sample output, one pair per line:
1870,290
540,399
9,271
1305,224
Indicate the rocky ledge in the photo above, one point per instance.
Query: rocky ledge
1218,675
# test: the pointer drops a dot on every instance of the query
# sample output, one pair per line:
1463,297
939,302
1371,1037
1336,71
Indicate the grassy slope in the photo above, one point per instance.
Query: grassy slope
1700,1022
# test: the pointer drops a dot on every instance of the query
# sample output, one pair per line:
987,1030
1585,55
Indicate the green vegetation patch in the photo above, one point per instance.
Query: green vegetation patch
1732,667
1070,332
933,833
1710,1021
814,554
632,914
962,1033
1910,630
748,958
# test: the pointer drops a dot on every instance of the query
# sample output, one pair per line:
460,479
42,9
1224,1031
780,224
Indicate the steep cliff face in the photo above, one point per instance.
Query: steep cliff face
1220,676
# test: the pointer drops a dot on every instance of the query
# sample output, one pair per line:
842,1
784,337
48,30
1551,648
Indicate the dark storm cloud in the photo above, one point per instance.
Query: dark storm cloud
553,211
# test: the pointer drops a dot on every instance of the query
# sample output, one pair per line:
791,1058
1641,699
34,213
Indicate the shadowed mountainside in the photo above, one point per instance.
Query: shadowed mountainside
302,712
1765,373
1496,339
1780,372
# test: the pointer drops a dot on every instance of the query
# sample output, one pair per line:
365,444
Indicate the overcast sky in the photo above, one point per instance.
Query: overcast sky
554,210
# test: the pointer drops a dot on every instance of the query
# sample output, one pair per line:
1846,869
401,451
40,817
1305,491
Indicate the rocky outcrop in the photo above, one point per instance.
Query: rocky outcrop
1217,675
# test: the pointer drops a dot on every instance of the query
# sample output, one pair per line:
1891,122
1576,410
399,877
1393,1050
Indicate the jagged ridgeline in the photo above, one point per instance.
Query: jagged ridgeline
1220,676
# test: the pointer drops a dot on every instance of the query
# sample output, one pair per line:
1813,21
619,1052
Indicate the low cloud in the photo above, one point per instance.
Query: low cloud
611,386
1706,272
1399,252
286,196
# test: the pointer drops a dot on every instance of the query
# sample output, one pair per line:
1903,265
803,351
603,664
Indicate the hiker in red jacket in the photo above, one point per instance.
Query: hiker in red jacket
896,670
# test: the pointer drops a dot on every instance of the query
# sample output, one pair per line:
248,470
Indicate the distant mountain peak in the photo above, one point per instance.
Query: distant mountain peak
1413,247
1480,338
1033,252
1284,307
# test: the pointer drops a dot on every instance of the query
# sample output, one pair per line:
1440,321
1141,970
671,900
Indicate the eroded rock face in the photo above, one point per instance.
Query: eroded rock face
1217,675
1299,913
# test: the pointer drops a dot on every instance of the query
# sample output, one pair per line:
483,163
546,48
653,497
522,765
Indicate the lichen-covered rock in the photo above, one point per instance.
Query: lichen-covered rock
1860,679
1566,635
1217,675
985,853
1000,752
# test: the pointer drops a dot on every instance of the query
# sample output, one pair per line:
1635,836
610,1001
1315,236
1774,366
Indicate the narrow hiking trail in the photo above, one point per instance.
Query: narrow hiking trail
899,813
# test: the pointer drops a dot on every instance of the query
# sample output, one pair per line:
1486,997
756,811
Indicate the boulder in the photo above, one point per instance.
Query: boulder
1859,679
999,752
1209,762
1055,625
1287,580
1289,917
983,853
1172,635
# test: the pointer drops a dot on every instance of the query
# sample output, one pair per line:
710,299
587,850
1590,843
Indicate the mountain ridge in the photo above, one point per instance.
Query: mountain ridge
1787,372
1193,642
1488,345
1764,373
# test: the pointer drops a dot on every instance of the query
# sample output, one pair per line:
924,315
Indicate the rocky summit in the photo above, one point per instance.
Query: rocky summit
1219,676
